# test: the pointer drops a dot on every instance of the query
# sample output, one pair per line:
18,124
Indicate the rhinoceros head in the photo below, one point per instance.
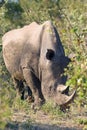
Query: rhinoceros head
52,64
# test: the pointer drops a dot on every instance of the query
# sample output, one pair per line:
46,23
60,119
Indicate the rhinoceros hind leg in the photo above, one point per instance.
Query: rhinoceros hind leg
19,87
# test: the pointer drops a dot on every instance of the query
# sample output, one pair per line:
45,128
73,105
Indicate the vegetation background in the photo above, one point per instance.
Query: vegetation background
70,19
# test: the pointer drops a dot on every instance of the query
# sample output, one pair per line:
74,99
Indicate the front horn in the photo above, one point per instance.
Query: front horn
62,99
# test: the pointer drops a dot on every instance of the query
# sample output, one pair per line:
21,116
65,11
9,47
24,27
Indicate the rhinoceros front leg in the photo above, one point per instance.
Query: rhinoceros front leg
34,85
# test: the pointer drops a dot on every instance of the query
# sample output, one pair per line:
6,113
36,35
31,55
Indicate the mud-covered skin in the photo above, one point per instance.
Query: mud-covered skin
34,54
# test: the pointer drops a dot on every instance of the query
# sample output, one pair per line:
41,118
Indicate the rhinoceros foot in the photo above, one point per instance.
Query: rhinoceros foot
30,99
37,104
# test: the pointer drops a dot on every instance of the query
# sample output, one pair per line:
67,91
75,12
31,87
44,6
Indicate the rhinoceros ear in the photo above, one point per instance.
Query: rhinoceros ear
50,54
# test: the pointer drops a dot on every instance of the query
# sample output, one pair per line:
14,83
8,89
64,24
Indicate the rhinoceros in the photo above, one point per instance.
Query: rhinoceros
34,54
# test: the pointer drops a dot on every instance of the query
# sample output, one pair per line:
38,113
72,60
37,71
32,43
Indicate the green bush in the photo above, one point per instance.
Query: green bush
7,95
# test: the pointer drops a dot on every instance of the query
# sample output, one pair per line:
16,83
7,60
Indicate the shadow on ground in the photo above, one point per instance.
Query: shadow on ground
28,126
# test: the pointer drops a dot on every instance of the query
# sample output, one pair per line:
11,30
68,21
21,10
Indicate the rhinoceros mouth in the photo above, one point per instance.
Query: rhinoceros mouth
60,96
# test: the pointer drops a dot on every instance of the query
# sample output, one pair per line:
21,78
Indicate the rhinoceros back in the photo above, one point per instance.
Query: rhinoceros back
12,51
13,45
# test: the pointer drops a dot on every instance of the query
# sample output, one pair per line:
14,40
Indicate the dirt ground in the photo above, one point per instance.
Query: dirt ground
42,121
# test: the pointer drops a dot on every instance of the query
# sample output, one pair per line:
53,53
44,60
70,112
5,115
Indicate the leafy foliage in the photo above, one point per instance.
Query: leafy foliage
7,95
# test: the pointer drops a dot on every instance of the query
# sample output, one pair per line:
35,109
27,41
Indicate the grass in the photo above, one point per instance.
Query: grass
49,108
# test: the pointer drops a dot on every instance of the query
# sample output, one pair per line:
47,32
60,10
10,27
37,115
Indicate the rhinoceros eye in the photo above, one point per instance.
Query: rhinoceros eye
50,54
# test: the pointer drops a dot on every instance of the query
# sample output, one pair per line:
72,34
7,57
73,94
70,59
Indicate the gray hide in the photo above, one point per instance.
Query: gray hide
34,54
